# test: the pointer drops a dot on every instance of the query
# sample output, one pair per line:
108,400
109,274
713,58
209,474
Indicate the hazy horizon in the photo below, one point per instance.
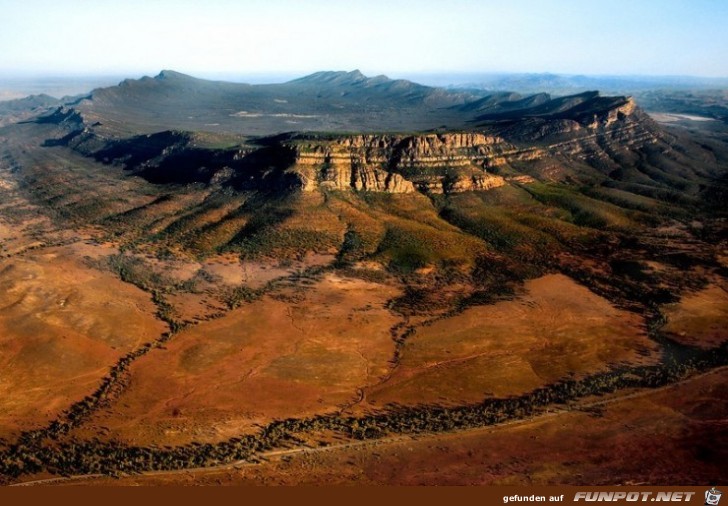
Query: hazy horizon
622,38
59,86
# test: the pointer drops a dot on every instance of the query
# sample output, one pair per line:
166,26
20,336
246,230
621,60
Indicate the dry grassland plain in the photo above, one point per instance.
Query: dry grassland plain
62,325
647,439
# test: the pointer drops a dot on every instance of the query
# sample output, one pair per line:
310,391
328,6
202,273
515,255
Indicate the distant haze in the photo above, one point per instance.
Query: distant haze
279,37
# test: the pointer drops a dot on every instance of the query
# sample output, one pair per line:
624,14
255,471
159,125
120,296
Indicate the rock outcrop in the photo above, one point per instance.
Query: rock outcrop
438,163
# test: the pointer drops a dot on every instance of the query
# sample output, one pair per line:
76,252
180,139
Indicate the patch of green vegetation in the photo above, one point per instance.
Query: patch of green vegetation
564,232
584,210
408,246
135,271
215,236
240,294
288,228
284,243
350,249
350,208
407,257
649,210
624,199
411,206
673,197
499,227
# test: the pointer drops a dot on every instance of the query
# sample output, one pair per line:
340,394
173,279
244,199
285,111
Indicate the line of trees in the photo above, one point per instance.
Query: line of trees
94,456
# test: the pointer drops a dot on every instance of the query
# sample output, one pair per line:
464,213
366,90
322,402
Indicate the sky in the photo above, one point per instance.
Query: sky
294,37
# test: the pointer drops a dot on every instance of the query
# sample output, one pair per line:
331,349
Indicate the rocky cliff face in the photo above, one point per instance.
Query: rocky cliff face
595,131
603,138
436,163
618,113
603,132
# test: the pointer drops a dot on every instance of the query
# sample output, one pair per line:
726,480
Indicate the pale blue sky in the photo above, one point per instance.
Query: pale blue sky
658,37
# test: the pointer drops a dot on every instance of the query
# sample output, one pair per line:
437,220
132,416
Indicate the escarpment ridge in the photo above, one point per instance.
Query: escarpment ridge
343,131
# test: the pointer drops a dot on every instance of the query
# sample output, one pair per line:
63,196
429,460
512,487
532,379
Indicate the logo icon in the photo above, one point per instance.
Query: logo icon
712,497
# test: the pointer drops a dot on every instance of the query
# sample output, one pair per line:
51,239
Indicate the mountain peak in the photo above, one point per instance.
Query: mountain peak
587,95
333,77
171,74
